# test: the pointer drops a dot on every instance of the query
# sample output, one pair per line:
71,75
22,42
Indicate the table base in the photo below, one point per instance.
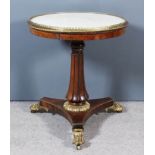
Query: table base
77,107
77,119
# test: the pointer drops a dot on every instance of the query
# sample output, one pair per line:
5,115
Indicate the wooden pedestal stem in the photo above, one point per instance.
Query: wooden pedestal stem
77,93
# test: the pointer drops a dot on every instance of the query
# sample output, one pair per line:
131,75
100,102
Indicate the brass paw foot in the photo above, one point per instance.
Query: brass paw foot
116,107
38,108
78,138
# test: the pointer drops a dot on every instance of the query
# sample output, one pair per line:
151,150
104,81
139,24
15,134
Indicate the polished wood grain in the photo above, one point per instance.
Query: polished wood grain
78,36
77,92
77,119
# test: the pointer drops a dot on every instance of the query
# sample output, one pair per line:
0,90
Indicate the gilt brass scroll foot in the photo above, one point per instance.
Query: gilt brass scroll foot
38,108
116,107
78,138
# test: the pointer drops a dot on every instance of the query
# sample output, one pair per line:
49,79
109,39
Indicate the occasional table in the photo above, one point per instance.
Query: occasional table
76,28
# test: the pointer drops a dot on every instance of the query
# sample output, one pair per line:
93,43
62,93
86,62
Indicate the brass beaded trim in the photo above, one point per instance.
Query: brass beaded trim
69,29
76,108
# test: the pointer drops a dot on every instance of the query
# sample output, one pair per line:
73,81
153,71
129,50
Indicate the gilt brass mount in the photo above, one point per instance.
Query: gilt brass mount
78,138
116,107
76,108
38,108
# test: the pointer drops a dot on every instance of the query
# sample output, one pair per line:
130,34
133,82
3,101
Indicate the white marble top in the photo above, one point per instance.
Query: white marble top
77,22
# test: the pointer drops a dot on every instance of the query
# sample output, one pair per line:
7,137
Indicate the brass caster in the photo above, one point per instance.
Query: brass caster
38,108
78,138
116,107
78,147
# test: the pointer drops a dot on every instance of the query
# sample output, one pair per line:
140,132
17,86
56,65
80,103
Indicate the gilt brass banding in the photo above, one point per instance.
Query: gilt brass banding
69,30
76,108
50,28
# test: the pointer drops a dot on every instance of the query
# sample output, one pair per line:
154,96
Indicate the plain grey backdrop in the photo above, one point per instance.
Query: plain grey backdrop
113,67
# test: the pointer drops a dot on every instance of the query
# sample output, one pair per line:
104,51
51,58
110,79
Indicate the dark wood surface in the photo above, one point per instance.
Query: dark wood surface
78,36
77,92
75,118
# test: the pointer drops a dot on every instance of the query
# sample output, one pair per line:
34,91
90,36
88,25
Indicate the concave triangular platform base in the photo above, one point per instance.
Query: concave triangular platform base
77,119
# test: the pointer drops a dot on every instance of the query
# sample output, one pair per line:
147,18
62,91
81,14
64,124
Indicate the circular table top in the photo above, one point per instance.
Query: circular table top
73,25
